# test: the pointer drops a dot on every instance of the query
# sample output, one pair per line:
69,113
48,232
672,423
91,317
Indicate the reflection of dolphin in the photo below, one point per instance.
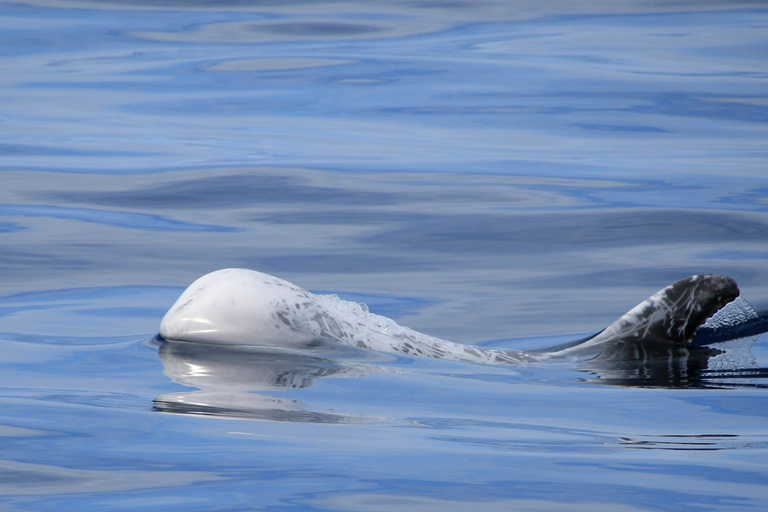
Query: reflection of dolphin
243,368
229,379
244,307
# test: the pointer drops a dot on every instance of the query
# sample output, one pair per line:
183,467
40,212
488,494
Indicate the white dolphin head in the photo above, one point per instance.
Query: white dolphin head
236,307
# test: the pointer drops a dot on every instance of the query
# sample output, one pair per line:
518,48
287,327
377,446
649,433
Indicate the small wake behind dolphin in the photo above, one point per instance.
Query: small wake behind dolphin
248,308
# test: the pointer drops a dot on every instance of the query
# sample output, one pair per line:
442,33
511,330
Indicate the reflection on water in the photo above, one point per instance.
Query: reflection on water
230,377
246,368
651,365
700,442
23,479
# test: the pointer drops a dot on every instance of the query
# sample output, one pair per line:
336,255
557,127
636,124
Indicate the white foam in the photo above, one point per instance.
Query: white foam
735,353
734,313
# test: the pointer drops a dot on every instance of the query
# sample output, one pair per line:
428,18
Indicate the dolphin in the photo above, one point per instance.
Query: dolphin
241,307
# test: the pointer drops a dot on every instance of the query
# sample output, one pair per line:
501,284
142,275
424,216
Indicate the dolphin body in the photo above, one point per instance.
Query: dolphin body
243,307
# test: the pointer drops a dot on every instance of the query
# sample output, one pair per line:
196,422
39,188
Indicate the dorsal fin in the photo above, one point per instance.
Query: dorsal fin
669,317
673,314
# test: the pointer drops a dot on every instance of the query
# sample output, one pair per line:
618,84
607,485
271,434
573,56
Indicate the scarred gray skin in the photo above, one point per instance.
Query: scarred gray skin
249,308
668,318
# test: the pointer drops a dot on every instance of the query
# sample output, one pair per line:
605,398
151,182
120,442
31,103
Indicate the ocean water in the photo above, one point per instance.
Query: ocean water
509,174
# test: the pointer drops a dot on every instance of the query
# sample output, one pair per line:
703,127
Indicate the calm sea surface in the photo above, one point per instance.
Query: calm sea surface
512,174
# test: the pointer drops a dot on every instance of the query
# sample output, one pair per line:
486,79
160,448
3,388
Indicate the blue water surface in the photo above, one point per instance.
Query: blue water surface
512,174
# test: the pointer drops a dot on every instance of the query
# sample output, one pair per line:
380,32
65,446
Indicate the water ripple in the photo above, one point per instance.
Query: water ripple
111,218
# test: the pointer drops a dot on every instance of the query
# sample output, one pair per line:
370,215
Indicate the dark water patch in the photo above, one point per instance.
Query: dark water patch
753,195
342,263
316,29
187,5
30,150
727,254
222,106
658,276
337,196
379,218
600,229
333,25
287,66
10,227
86,295
40,261
563,106
131,220
706,106
226,191
620,128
